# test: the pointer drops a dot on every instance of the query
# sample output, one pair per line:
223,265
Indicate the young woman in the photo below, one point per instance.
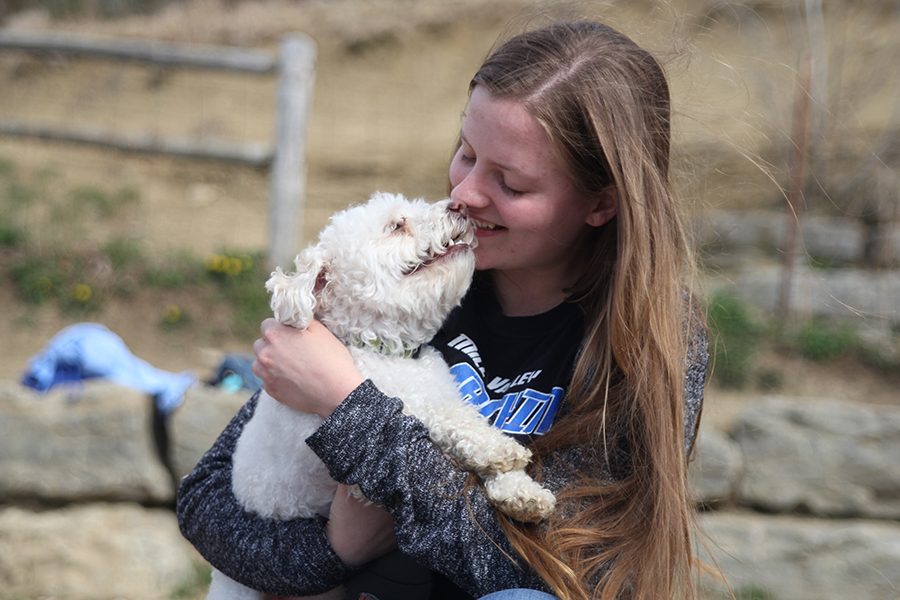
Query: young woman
579,336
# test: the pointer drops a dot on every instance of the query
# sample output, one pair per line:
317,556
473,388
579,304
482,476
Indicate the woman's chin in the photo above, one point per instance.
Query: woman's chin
482,263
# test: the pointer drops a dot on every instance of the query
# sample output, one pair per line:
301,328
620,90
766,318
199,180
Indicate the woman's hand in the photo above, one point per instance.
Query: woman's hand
358,532
309,370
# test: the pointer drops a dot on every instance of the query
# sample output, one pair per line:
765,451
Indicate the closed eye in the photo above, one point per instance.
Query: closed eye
508,190
464,153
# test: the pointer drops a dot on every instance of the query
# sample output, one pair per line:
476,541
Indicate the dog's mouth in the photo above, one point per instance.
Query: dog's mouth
462,242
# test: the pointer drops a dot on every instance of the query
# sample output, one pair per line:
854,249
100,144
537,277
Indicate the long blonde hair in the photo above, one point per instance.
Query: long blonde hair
604,102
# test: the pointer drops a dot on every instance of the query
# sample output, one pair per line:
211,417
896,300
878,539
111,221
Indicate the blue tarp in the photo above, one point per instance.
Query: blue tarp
90,350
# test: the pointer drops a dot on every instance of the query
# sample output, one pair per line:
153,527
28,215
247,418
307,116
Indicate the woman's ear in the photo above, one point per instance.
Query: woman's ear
606,203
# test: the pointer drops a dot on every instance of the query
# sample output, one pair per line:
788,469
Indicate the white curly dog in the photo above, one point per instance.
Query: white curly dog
382,278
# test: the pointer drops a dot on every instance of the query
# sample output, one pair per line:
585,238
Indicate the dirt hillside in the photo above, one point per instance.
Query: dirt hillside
391,80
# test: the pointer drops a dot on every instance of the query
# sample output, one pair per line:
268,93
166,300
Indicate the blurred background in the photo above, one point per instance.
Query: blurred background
787,162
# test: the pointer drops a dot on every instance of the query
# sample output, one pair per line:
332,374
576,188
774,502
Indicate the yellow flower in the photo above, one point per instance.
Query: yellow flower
234,266
231,265
215,263
82,293
173,314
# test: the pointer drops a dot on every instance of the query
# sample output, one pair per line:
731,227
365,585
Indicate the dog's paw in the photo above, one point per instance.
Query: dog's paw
519,496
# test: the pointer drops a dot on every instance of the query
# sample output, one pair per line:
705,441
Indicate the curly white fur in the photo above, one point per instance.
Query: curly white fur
382,277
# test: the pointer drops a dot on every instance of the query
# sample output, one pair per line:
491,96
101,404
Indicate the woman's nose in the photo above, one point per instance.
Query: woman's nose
467,194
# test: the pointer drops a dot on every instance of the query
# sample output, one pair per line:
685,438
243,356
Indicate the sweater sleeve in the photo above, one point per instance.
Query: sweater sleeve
439,520
279,557
694,382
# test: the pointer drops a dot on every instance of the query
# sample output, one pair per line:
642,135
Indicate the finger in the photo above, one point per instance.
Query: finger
258,346
258,370
267,324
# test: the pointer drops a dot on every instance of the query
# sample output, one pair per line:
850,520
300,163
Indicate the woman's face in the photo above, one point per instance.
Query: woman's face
530,218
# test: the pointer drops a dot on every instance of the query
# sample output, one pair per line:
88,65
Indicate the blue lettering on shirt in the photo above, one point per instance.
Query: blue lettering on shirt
470,384
524,412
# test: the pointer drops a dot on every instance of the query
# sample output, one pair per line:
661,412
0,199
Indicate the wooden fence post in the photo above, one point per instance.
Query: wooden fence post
288,177
795,197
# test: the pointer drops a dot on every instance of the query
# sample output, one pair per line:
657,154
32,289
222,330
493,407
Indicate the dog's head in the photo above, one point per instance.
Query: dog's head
389,271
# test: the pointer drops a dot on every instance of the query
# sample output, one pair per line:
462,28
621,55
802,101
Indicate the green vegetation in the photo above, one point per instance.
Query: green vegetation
239,278
124,253
753,592
194,585
64,277
740,338
11,235
82,282
822,341
37,280
7,168
100,203
177,271
736,339
50,264
58,266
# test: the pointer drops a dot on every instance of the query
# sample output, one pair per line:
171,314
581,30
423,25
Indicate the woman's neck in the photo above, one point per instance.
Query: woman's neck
521,295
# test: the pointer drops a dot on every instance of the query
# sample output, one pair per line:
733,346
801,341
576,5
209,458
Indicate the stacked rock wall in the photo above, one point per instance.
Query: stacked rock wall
800,496
87,501
805,496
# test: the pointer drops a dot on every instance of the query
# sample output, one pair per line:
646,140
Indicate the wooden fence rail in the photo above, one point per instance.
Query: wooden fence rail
253,155
146,51
286,158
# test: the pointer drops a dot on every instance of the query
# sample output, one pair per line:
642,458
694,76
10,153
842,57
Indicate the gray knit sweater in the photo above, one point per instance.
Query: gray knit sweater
368,441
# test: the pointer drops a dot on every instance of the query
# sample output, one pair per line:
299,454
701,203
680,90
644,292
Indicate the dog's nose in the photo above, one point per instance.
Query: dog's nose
457,207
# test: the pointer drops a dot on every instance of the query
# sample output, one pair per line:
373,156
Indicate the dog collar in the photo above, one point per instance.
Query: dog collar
378,345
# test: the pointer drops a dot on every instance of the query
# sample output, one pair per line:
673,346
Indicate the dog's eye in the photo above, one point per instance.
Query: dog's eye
398,225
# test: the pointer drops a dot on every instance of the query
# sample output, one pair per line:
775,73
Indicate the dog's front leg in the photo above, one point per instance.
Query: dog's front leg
499,460
465,435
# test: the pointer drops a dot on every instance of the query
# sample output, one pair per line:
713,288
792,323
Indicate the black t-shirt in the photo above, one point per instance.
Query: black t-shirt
514,369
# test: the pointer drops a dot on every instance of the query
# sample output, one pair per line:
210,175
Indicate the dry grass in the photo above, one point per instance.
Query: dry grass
390,85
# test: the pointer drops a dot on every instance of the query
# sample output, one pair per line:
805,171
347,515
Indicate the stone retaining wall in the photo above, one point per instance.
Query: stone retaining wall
806,493
825,239
803,496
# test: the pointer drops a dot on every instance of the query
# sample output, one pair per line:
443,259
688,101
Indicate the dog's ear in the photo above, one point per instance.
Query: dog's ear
294,294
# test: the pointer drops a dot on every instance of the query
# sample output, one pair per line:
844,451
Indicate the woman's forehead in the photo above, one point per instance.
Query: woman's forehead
506,132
